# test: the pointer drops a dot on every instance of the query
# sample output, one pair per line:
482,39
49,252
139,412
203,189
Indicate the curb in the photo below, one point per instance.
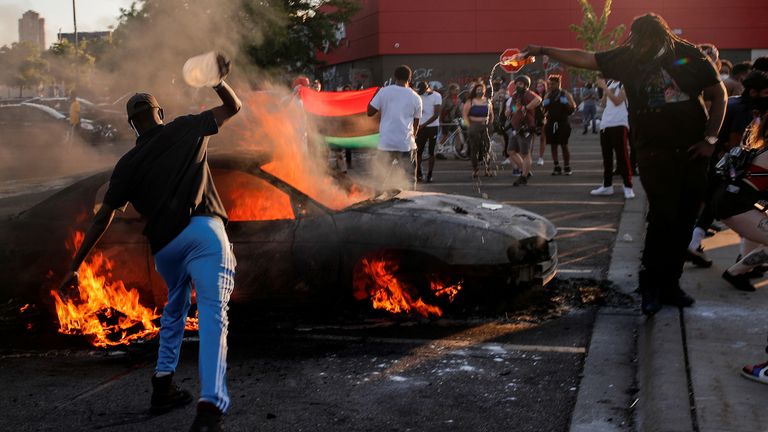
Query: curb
605,399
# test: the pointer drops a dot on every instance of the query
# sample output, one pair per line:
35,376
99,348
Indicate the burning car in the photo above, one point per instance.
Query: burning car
294,248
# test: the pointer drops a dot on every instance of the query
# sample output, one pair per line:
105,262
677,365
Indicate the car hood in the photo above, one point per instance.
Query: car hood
481,213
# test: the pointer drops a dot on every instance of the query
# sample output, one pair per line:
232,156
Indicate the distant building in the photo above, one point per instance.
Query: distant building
32,28
85,36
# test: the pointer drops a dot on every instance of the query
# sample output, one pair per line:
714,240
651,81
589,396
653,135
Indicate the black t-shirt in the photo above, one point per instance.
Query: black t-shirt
167,179
666,107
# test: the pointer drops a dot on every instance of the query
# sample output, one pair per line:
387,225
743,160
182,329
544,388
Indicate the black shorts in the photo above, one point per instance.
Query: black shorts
557,132
426,135
731,199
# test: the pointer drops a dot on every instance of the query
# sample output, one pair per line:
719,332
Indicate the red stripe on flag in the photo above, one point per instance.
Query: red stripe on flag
335,104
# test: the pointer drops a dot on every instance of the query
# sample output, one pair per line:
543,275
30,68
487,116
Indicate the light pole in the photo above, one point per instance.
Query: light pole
77,64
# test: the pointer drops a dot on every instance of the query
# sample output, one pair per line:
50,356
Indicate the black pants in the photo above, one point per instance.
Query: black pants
675,186
425,137
613,140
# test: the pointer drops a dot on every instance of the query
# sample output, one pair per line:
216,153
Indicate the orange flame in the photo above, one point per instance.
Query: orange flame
379,282
105,309
24,308
192,323
279,127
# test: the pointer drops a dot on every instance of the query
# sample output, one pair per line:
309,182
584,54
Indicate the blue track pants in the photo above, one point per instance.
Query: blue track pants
202,255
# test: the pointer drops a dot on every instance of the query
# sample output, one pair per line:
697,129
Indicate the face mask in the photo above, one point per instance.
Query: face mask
479,93
724,76
761,104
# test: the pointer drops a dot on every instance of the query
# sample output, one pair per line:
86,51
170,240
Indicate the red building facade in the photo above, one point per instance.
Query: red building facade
457,40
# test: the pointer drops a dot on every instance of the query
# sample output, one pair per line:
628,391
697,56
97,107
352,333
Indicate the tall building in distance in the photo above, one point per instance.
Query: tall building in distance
32,28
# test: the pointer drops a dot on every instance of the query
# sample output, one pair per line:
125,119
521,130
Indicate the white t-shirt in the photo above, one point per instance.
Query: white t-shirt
614,115
428,102
398,106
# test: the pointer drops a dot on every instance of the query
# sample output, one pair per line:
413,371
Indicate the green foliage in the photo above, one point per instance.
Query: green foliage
594,34
297,31
23,66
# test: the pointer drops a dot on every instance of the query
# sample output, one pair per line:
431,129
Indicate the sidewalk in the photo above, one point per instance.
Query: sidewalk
688,361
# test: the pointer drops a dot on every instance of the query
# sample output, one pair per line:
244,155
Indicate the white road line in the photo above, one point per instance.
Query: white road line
587,229
533,184
579,271
598,203
449,343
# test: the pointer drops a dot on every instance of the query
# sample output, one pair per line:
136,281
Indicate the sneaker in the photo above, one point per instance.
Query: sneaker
602,191
567,171
740,282
540,162
516,172
628,193
429,178
506,162
677,297
557,170
208,418
166,395
521,181
758,372
698,257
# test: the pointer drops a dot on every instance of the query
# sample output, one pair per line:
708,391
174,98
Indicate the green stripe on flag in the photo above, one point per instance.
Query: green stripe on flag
366,141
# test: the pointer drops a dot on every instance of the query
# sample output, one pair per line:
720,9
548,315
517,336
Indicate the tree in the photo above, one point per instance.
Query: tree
593,32
22,66
298,30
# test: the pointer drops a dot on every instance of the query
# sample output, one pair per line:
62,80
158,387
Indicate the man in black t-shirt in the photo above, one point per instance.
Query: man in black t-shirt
167,179
667,80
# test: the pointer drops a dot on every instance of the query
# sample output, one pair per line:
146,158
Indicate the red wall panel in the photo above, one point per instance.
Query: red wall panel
489,26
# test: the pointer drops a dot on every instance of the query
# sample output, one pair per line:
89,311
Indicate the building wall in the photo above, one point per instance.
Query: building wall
409,27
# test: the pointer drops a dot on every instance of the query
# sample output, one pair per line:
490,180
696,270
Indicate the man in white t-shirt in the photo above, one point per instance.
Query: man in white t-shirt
614,133
400,109
431,105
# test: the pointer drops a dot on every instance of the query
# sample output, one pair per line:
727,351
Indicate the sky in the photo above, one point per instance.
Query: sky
92,15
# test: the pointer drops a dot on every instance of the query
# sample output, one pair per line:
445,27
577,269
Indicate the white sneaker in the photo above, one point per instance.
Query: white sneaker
602,191
540,162
506,161
628,193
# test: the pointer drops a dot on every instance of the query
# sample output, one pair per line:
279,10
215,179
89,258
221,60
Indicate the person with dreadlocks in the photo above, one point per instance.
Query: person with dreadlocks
667,80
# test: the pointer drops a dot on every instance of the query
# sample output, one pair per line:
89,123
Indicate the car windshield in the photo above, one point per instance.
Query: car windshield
324,189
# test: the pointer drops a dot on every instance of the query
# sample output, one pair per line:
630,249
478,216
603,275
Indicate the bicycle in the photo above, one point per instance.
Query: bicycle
455,144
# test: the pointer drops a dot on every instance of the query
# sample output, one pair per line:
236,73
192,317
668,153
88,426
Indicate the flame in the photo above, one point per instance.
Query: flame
249,198
279,127
24,308
378,281
192,323
105,309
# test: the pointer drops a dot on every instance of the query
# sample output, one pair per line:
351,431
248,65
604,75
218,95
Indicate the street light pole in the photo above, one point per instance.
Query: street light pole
77,48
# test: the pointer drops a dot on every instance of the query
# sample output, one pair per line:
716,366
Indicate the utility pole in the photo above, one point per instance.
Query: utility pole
74,19
77,47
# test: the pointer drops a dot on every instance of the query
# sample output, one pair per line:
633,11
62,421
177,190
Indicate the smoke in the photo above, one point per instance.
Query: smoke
273,126
152,48
34,147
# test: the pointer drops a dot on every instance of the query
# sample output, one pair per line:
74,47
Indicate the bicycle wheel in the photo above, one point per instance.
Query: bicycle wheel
459,145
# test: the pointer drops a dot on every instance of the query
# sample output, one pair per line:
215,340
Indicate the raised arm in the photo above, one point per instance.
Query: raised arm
573,57
231,104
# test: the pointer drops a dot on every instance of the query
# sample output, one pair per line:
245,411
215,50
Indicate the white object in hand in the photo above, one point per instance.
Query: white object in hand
202,70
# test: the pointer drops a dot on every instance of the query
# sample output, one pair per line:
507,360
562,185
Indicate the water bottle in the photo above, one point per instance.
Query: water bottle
202,70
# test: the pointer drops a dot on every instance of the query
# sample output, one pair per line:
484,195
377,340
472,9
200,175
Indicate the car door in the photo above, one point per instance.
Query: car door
261,227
